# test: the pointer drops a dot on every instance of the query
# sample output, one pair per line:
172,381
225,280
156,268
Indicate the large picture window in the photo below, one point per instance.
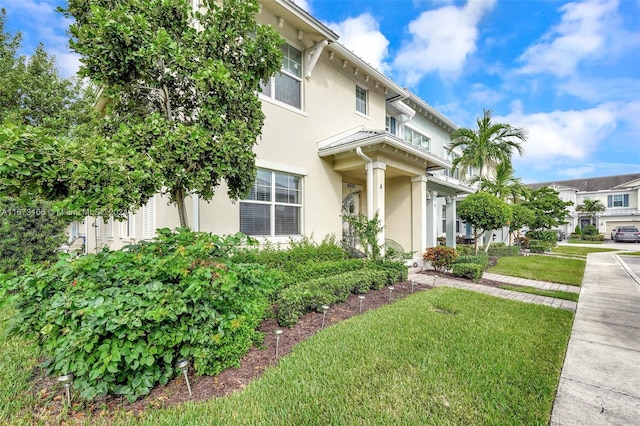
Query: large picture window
286,86
416,138
273,207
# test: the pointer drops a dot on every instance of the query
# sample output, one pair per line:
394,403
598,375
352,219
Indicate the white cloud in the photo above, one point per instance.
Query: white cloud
441,40
583,33
362,36
485,95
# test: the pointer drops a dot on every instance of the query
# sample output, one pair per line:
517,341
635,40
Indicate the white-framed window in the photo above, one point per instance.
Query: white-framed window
127,227
286,85
149,219
618,200
109,226
273,207
390,124
361,100
416,138
74,230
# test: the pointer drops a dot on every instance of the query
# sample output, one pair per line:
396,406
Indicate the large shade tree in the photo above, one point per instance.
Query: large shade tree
486,146
182,87
549,210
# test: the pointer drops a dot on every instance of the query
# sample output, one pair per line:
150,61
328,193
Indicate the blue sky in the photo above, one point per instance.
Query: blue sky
566,71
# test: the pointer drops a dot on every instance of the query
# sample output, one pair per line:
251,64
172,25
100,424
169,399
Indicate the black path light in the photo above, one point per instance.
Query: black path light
278,333
325,308
67,381
361,297
183,365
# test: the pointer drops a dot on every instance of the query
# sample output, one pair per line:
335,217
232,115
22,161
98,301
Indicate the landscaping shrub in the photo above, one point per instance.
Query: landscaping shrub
298,299
312,269
546,246
523,242
596,237
537,248
396,271
589,230
465,249
578,230
471,271
119,320
576,236
480,259
546,235
503,251
441,257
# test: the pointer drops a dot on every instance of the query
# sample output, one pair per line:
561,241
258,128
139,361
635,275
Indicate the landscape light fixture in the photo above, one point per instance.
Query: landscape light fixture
412,284
278,333
325,308
434,280
390,292
361,297
183,365
67,381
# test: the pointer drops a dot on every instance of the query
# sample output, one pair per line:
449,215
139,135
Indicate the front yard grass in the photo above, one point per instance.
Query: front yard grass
542,268
444,356
574,241
557,294
579,251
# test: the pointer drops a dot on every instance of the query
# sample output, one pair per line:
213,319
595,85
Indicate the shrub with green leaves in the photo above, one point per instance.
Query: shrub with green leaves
480,259
546,235
465,249
472,271
119,320
589,230
596,237
441,257
503,251
537,244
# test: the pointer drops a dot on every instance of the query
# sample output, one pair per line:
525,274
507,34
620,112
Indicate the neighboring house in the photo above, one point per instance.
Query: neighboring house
337,131
619,194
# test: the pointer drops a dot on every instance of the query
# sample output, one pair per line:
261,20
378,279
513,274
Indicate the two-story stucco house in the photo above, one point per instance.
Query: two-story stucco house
620,195
336,130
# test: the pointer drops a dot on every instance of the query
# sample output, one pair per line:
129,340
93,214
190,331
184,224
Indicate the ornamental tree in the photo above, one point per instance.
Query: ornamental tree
484,212
549,210
180,88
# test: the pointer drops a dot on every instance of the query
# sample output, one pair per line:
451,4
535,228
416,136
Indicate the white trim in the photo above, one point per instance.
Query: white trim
278,167
281,104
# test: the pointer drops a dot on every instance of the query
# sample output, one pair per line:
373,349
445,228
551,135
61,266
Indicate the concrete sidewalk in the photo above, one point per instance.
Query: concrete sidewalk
600,381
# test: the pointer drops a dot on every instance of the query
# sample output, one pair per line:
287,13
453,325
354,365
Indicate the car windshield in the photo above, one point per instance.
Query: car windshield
628,229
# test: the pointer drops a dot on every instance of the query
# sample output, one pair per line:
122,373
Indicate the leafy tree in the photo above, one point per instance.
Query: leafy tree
503,184
591,208
521,216
488,145
182,88
549,210
484,212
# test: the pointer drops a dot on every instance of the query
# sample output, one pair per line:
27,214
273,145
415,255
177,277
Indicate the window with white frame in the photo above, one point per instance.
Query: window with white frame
416,138
618,200
286,85
361,100
390,124
109,226
149,219
273,207
127,227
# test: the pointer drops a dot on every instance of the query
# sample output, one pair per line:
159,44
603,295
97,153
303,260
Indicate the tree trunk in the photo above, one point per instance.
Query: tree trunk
182,209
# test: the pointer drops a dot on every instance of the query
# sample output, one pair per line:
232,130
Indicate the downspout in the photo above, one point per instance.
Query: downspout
369,161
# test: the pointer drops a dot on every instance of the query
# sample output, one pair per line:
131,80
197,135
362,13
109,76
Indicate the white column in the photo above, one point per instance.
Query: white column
418,215
451,221
378,193
432,218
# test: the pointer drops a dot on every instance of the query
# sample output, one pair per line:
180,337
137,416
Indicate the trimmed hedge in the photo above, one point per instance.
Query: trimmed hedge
304,297
535,245
471,271
313,269
465,249
597,237
504,251
481,260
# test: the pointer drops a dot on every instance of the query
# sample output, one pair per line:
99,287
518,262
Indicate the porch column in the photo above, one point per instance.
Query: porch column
379,196
418,215
451,220
432,218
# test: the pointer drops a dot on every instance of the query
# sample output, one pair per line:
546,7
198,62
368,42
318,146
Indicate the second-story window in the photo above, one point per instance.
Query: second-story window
618,200
361,100
286,85
416,138
390,124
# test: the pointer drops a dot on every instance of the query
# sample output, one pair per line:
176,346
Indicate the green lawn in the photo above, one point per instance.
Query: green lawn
444,356
630,253
549,293
574,241
543,268
579,251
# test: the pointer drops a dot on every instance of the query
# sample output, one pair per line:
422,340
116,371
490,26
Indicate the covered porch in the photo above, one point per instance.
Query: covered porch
384,174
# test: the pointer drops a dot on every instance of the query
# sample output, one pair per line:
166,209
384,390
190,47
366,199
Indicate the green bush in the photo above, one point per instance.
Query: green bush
578,230
576,236
546,235
546,246
589,230
471,271
119,320
480,259
537,248
441,257
596,237
465,249
504,251
312,269
396,271
298,299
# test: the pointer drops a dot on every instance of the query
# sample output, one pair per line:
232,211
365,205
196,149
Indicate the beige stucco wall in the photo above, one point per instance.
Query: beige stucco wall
398,211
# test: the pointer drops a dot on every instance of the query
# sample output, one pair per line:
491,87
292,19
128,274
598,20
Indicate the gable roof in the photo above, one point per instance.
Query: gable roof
590,184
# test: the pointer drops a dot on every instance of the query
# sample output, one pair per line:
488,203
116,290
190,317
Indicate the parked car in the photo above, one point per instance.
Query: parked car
625,233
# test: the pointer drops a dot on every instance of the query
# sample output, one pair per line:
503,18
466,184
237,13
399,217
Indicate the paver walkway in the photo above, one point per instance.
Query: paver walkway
498,292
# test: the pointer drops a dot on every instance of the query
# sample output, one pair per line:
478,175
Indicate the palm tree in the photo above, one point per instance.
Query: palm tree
503,184
489,145
591,207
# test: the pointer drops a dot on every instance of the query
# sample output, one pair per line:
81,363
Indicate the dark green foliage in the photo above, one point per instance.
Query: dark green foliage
480,259
304,297
30,231
472,271
464,249
575,236
590,230
504,251
548,209
546,235
537,248
313,269
484,212
441,257
396,271
119,320
596,237
578,230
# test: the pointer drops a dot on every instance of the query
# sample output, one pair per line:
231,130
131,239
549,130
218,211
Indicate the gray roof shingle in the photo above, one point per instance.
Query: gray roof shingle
590,184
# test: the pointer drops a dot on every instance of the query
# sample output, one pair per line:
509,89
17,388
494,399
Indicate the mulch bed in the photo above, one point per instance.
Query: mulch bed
203,388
